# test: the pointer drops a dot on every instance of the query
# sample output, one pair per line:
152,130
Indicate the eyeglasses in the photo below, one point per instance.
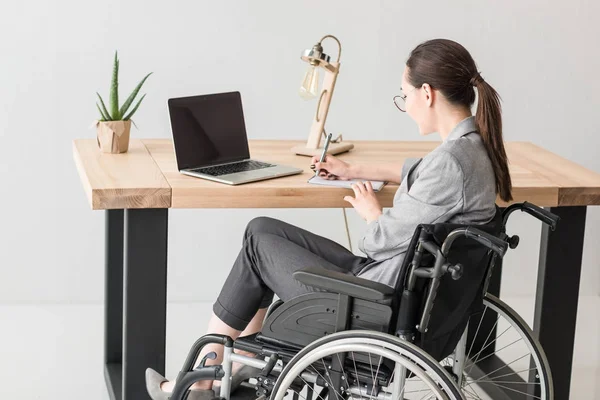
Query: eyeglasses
400,100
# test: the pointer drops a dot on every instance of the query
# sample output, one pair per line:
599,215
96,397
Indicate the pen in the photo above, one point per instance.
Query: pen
325,147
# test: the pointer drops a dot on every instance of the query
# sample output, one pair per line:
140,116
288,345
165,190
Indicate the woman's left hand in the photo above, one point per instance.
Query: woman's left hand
365,203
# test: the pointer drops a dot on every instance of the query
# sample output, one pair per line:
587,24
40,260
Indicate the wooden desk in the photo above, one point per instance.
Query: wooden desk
137,189
147,177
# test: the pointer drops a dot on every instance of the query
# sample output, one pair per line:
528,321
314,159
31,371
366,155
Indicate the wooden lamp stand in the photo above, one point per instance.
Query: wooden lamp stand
317,129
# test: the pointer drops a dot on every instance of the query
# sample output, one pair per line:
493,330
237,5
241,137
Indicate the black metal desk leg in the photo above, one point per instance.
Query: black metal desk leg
113,302
558,292
136,294
144,298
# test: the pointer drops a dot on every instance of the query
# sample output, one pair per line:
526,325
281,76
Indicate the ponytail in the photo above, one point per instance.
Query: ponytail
489,122
448,67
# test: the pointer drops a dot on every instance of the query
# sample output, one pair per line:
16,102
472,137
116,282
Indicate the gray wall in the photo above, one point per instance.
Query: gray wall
540,56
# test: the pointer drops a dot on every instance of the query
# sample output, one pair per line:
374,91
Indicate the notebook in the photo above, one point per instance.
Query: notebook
315,180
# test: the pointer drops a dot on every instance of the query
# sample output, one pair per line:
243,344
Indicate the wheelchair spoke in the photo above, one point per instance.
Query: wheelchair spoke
325,380
373,381
337,394
497,351
356,372
511,373
472,393
486,339
372,376
490,343
498,369
494,379
414,390
504,366
426,398
376,373
308,384
298,394
476,332
515,390
507,382
344,376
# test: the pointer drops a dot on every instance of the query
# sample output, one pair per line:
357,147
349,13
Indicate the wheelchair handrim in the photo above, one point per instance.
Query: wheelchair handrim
350,341
348,345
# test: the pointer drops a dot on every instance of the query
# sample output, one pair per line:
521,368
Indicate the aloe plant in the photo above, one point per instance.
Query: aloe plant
119,113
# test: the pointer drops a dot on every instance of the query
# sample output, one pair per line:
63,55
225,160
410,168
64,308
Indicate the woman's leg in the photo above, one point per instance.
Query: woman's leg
256,324
266,264
326,248
215,325
271,253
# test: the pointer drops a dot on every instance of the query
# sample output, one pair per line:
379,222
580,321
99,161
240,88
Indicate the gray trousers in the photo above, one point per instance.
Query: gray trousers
272,251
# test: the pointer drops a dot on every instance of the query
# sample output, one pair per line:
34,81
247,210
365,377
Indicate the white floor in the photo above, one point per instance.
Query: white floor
55,351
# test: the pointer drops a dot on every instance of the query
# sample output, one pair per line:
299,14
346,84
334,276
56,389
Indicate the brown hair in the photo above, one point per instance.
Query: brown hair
448,67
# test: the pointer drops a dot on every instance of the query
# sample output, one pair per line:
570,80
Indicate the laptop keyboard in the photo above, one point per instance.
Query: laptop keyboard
241,166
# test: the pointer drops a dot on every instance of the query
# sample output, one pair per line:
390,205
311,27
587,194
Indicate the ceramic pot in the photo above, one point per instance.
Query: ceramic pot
113,136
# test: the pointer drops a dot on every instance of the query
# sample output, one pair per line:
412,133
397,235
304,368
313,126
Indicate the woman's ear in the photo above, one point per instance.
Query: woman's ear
428,94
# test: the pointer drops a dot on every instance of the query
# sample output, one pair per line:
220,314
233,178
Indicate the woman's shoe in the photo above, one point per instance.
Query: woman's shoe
154,380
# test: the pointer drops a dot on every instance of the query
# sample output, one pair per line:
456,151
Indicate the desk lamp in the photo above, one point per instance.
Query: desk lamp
317,59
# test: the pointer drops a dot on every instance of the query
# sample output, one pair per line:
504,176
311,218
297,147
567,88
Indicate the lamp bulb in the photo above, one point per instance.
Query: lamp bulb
310,83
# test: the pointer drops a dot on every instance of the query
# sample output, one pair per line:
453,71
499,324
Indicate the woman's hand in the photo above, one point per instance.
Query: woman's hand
331,168
365,203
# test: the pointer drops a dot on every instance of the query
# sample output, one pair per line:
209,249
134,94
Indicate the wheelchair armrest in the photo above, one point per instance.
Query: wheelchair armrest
350,285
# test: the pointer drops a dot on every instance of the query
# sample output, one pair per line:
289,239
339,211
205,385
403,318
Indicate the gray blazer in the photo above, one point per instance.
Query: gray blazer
454,183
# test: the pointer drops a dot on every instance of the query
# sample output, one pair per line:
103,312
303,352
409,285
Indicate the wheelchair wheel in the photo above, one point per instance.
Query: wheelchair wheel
509,358
364,365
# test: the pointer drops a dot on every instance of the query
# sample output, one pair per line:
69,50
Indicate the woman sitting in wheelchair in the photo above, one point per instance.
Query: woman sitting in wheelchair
458,182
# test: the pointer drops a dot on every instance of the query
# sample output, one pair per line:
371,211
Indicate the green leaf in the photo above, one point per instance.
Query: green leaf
133,122
134,109
114,91
131,97
104,110
101,113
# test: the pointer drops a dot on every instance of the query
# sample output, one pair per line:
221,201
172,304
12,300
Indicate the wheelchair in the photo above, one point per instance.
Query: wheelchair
426,338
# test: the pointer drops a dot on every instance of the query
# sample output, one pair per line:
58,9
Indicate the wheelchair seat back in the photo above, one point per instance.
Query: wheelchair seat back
456,300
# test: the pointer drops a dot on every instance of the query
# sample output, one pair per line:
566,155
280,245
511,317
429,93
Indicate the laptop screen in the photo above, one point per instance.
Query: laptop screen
208,129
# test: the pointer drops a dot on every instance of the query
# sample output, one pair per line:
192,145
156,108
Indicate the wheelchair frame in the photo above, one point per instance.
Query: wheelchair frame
353,289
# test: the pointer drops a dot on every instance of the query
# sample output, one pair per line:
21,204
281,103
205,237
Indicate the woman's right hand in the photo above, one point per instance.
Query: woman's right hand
331,168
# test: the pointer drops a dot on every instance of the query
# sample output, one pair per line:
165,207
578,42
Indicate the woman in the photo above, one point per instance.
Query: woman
458,182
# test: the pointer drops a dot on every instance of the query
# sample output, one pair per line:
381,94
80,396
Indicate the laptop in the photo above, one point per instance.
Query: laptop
209,135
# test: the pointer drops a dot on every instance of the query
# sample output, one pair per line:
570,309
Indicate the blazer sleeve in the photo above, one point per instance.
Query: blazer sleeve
408,163
437,192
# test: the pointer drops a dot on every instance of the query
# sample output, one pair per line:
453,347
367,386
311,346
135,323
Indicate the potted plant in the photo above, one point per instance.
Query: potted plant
113,127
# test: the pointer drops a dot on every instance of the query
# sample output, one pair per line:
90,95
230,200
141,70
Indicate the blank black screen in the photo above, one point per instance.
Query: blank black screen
208,129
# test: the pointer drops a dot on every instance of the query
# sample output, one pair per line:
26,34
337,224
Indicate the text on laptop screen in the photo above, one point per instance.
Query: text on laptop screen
208,130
